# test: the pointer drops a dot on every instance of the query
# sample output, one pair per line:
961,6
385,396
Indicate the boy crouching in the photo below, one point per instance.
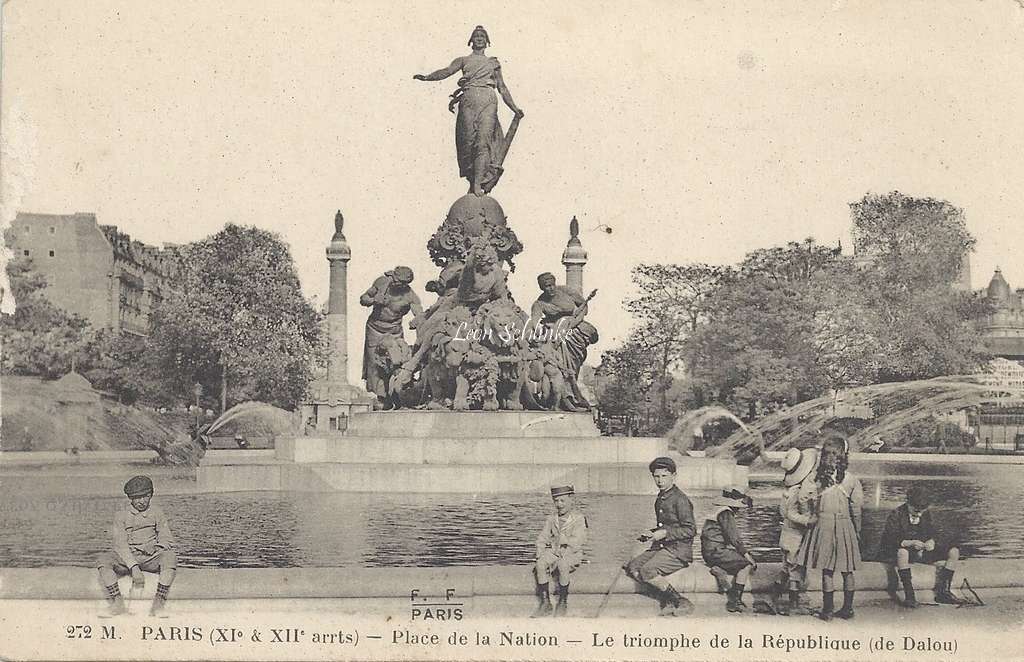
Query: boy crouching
722,546
908,537
142,542
559,550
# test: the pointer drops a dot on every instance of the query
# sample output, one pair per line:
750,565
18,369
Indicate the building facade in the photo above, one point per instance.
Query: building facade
93,270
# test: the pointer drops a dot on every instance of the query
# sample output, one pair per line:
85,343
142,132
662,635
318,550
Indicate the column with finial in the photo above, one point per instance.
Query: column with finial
338,254
574,258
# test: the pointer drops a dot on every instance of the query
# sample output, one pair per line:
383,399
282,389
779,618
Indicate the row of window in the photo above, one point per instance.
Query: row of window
28,229
28,253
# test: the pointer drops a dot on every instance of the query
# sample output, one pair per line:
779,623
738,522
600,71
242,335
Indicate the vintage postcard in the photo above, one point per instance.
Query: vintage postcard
348,330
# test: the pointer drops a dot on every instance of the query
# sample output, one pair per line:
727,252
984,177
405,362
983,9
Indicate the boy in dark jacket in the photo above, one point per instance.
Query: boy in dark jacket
722,546
908,537
671,540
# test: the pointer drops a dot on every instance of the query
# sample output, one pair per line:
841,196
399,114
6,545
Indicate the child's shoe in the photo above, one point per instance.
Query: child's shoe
544,608
909,596
734,603
722,579
846,612
826,606
158,606
943,592
160,601
115,602
563,601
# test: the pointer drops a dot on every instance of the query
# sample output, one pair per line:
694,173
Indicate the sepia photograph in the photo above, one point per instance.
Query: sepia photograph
595,330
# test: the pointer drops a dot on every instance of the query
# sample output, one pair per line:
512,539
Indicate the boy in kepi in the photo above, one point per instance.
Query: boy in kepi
559,550
671,540
722,546
142,542
908,537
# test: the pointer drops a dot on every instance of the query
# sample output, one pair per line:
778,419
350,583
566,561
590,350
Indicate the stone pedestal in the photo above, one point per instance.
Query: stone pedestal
331,406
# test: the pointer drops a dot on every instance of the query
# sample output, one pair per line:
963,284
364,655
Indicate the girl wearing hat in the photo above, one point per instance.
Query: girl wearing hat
833,543
796,518
722,546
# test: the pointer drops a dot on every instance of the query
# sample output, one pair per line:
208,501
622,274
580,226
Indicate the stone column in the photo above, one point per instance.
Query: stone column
338,254
574,258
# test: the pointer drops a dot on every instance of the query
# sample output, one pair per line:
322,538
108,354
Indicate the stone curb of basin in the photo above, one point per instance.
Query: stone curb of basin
74,583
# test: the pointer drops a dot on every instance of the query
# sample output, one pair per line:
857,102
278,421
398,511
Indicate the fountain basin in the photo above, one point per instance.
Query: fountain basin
591,579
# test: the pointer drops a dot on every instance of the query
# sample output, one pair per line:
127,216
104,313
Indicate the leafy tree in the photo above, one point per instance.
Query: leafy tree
238,323
779,329
915,242
914,249
39,338
670,304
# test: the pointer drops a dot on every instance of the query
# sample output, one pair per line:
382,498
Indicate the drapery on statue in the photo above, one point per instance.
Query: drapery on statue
391,299
557,318
479,142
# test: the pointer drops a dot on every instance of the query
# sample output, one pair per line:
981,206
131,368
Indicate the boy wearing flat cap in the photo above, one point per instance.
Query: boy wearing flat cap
559,550
671,540
142,542
797,516
908,537
722,546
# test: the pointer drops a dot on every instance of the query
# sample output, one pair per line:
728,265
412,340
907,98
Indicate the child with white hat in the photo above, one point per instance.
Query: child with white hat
797,516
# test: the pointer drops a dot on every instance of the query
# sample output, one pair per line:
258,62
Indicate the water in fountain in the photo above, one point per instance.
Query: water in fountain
690,427
895,405
279,420
189,451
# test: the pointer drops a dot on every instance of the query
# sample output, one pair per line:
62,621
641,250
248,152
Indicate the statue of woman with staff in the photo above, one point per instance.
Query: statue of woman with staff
479,141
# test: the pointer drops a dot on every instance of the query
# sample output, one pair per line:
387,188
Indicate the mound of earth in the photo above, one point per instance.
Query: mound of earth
41,415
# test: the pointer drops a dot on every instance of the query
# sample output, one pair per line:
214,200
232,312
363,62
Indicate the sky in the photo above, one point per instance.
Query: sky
696,131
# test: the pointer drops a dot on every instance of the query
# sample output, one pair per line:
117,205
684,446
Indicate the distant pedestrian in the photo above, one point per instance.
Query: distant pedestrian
833,543
559,550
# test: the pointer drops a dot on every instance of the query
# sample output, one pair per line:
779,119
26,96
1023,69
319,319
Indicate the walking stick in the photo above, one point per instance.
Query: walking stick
980,603
607,594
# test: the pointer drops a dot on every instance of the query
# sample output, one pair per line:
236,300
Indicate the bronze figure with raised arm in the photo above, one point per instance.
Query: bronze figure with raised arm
479,141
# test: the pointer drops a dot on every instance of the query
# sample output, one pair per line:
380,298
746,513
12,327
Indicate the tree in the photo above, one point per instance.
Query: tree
780,329
39,338
238,323
918,243
914,249
670,305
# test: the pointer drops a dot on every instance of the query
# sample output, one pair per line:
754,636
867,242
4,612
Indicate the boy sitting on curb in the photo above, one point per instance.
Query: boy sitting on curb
142,542
908,537
671,547
559,550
